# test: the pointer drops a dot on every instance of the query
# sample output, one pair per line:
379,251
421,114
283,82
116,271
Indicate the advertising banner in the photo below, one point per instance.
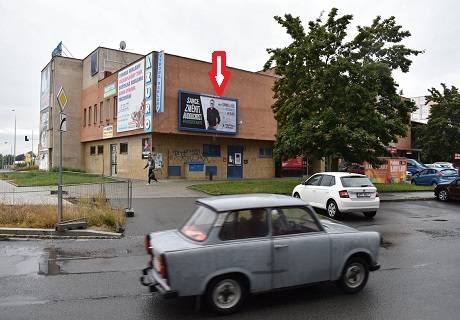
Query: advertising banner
45,88
148,94
107,132
44,133
392,171
146,147
160,82
131,106
200,112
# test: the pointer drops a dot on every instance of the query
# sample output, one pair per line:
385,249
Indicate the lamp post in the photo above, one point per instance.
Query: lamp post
14,153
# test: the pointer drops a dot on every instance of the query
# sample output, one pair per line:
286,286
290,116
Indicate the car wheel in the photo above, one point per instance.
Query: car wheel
226,294
443,195
297,195
370,214
354,276
332,210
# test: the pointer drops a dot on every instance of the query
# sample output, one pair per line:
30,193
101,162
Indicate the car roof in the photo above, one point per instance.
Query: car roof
342,174
249,201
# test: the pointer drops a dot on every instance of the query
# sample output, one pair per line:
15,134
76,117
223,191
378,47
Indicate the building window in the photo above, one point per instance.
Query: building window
115,105
92,150
100,111
89,115
211,150
265,152
100,149
108,107
95,113
123,148
84,117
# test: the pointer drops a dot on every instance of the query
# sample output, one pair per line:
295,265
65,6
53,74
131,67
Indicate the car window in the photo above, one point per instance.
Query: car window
356,181
199,224
244,224
431,171
293,220
327,181
315,180
449,172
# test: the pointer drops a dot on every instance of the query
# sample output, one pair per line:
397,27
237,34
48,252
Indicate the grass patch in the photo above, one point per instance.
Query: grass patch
46,178
96,211
285,186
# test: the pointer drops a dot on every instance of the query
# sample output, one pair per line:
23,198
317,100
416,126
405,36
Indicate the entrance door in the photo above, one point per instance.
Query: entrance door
234,162
113,159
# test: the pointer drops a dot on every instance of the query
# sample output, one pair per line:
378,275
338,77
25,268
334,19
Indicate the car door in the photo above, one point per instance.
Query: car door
454,190
308,190
322,191
422,177
301,248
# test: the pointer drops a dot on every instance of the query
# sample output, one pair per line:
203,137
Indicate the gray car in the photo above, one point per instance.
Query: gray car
232,246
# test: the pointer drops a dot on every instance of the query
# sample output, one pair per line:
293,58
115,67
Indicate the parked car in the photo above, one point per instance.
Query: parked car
414,166
434,176
232,246
448,191
446,165
339,192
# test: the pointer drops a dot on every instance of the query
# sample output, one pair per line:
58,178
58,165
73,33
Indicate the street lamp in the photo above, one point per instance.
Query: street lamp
14,154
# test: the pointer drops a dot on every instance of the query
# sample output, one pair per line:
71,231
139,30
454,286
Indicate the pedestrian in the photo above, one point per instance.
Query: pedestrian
151,165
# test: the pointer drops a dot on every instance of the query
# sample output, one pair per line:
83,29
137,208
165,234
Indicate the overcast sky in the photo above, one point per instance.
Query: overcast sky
244,28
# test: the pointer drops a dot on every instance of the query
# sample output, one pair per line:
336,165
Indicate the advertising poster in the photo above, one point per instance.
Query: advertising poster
110,90
199,112
131,104
146,147
392,171
44,133
45,88
107,132
160,82
148,94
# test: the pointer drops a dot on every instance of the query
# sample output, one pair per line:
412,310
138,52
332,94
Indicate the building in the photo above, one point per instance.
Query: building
123,106
422,113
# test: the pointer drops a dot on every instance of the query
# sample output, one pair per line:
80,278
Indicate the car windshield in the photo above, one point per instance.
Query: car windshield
449,172
199,224
356,181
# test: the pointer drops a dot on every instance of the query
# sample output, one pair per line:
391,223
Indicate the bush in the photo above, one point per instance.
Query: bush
31,168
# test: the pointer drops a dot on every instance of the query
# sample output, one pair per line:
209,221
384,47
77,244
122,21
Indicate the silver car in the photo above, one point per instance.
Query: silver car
233,246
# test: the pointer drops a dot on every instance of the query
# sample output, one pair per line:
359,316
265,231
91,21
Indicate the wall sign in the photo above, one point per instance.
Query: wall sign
107,132
110,90
148,94
160,82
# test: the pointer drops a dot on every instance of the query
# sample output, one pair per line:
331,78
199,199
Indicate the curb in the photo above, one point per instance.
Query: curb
408,199
31,233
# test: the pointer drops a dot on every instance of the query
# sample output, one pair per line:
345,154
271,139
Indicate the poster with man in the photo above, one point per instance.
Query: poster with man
146,147
199,112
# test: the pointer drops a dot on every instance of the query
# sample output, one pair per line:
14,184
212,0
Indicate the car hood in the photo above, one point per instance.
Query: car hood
334,227
170,240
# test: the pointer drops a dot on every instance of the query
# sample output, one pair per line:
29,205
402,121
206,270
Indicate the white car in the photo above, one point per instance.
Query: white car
339,192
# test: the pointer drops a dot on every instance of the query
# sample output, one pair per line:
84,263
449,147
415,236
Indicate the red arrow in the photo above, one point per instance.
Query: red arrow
219,75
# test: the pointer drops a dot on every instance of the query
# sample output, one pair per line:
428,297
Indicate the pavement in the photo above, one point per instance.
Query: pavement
407,196
98,279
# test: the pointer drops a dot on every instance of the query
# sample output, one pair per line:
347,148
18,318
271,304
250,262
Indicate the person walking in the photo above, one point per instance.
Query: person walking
151,165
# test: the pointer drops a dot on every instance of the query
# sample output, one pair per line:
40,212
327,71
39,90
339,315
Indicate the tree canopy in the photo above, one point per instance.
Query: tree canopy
335,95
440,138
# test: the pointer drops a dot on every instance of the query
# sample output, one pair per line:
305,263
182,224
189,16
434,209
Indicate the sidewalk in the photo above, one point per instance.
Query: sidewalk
166,189
407,196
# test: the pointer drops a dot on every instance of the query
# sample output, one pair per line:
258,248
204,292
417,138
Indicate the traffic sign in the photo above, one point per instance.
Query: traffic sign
63,124
62,98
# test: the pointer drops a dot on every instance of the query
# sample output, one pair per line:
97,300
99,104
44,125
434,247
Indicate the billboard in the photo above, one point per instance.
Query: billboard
131,104
206,113
45,88
393,170
160,82
148,93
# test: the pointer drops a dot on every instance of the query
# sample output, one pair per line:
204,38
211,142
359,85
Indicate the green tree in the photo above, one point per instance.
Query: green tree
440,138
336,97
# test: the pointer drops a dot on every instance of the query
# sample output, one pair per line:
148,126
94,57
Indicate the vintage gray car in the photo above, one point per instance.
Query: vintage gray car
235,245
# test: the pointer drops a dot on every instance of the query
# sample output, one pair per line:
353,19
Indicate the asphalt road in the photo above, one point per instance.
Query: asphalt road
98,279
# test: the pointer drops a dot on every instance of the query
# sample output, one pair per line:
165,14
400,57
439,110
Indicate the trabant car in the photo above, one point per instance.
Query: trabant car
232,246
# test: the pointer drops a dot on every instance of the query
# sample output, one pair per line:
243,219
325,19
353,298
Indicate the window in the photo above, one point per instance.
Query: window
244,224
123,148
100,149
200,224
84,117
94,63
89,116
356,181
314,180
293,221
100,111
211,150
328,181
95,113
449,172
265,152
92,150
115,102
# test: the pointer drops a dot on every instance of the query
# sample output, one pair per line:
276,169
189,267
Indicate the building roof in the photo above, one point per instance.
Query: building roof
249,201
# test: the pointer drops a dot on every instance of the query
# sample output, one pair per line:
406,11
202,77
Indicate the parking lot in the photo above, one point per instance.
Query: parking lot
98,279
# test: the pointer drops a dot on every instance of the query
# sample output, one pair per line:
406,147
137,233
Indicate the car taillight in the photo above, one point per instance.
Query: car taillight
147,246
160,266
344,194
439,174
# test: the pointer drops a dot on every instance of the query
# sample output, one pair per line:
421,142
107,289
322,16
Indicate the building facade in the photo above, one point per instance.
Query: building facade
124,106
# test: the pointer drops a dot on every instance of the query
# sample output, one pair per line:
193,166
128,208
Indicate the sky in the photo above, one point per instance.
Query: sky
30,30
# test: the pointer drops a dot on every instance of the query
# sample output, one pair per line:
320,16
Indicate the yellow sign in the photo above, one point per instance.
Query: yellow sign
107,132
62,98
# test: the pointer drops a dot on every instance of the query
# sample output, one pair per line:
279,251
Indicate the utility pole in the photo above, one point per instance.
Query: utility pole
14,154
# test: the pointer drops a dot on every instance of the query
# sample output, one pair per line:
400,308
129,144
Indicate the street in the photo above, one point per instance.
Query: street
99,279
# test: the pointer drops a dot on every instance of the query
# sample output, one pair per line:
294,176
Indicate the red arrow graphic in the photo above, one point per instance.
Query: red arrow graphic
219,75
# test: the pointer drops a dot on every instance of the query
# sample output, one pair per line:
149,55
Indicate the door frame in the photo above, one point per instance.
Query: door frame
113,146
242,161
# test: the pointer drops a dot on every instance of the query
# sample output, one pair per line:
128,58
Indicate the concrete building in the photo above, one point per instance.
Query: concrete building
113,123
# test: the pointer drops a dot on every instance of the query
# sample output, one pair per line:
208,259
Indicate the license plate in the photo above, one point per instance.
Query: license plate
363,195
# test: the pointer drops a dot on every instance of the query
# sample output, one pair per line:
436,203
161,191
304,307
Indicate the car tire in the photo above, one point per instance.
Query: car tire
332,210
370,214
354,275
226,294
296,195
442,195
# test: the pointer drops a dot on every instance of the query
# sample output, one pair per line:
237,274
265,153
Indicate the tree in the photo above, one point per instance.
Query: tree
440,138
335,97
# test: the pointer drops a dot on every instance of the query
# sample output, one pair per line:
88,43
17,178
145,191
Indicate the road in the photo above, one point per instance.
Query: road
98,279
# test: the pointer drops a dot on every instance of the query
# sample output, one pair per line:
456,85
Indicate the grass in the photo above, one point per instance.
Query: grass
46,178
284,186
96,211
